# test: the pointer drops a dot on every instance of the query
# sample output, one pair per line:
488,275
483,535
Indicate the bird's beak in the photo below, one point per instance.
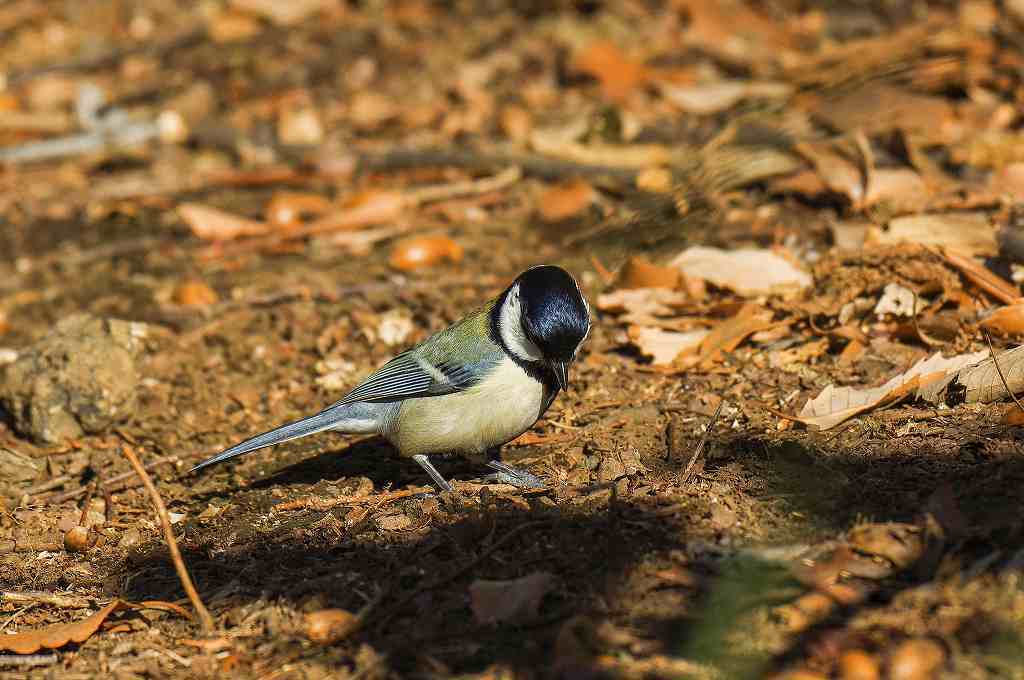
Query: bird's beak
561,369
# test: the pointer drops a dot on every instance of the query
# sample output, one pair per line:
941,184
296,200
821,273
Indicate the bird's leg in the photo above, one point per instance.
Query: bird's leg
506,474
429,468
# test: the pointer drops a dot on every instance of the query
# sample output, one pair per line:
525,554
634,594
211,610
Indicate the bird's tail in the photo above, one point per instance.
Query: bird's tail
324,420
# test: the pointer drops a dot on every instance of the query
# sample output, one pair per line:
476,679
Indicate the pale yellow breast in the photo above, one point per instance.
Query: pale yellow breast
502,407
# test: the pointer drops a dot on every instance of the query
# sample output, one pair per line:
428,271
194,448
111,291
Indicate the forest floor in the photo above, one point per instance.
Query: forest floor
326,187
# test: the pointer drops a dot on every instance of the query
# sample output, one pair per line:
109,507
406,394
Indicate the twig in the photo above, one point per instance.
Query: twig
172,544
49,484
703,442
27,659
1002,377
39,597
110,483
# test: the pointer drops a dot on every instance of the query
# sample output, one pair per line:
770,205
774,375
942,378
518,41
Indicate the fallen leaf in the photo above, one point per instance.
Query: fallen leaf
1008,320
424,251
839,173
288,208
566,200
901,189
714,97
58,634
300,125
727,335
966,233
664,346
618,74
982,277
836,405
213,224
283,13
856,664
364,209
638,272
748,272
515,600
642,306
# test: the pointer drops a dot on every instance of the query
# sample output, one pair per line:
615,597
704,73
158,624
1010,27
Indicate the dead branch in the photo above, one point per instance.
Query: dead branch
172,544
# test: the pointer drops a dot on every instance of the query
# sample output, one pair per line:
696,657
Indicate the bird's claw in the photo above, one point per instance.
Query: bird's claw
506,474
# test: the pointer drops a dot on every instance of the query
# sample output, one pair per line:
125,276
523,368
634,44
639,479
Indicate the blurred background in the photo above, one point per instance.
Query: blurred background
218,216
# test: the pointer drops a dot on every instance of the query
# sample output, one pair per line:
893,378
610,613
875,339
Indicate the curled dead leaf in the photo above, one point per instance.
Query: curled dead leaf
57,635
638,272
748,272
566,200
213,224
1008,320
424,251
663,347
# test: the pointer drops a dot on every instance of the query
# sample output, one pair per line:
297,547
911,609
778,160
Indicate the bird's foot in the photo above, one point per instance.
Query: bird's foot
506,474
429,468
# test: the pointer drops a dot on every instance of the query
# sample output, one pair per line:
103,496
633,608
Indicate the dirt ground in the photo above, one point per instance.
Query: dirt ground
889,546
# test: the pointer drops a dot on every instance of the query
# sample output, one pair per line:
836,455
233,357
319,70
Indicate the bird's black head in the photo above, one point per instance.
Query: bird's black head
544,318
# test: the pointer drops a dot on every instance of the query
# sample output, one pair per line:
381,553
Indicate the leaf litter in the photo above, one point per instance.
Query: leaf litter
771,205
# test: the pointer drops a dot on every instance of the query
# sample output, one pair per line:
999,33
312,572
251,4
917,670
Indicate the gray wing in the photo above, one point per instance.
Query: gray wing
411,375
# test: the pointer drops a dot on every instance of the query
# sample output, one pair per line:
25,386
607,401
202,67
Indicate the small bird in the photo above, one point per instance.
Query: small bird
467,389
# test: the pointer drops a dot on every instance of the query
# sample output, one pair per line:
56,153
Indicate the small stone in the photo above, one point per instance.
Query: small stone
916,659
328,626
856,664
80,378
78,539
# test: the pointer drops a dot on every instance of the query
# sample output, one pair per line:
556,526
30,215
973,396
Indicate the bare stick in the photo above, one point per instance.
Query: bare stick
1002,377
172,543
703,442
55,599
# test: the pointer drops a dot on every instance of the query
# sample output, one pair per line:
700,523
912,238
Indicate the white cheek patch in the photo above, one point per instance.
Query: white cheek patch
511,328
586,306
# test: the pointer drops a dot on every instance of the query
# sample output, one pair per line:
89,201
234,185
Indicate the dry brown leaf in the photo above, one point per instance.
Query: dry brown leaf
364,209
642,305
283,13
664,346
836,405
424,251
982,383
1008,181
736,32
213,224
901,189
515,600
878,108
714,97
638,272
747,272
566,200
968,233
619,75
639,156
727,335
1008,320
58,634
289,208
982,277
839,174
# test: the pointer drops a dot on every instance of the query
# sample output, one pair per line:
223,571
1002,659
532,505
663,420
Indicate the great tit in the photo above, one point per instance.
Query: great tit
469,388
